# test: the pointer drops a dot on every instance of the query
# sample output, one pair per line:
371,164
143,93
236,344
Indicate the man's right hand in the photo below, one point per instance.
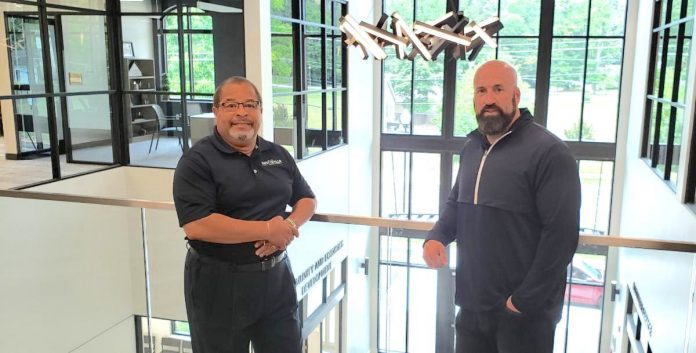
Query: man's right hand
434,254
280,232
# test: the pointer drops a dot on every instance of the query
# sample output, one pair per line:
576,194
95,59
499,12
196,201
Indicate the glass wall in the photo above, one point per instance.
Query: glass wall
57,51
308,75
133,81
171,67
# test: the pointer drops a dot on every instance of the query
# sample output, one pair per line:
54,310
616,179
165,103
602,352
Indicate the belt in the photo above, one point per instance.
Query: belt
262,266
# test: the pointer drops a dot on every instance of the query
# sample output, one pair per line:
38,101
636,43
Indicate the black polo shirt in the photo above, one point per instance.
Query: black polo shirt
213,177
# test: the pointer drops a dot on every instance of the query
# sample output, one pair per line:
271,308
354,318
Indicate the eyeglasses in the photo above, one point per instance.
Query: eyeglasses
231,106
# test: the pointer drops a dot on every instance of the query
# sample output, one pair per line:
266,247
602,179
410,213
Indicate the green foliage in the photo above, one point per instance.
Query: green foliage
165,82
281,117
201,46
570,18
281,8
573,133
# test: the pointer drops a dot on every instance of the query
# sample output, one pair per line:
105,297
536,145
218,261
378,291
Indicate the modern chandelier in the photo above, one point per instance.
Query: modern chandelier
427,39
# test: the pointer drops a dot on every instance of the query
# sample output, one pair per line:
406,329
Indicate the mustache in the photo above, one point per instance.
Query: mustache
491,106
241,121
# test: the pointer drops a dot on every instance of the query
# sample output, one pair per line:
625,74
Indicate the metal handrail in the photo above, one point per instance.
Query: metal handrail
603,240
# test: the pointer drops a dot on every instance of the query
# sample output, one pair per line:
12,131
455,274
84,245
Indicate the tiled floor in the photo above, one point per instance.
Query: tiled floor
16,173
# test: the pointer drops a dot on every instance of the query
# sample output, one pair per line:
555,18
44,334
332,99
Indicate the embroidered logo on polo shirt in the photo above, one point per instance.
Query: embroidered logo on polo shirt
271,162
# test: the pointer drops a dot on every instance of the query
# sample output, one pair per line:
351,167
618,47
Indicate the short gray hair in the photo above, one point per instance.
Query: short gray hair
230,80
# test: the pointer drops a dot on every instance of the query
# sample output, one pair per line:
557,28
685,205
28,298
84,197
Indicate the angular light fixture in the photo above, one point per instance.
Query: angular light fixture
425,38
352,28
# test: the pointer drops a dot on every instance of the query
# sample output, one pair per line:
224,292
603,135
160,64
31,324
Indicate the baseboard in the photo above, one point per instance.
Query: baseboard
11,156
97,143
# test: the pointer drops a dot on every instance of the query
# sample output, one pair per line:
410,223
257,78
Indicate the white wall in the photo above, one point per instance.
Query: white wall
257,44
138,30
66,274
646,207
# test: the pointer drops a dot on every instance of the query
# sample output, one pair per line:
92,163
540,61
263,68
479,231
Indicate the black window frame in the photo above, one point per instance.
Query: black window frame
44,12
187,32
651,150
329,33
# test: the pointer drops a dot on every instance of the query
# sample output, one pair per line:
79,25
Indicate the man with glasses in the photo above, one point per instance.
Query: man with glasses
514,213
230,192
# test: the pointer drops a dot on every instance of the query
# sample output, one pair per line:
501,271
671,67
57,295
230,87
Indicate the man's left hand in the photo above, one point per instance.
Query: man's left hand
264,248
511,306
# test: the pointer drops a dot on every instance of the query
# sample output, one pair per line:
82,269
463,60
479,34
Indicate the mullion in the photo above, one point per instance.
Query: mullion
675,96
584,71
121,152
322,34
48,88
660,93
411,103
334,39
541,100
691,176
645,146
189,53
298,69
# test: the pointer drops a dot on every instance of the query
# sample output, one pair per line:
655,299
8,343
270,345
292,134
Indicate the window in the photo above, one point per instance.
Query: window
181,328
665,102
198,62
308,75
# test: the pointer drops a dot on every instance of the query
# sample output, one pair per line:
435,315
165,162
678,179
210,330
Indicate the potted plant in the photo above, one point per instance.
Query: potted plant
165,86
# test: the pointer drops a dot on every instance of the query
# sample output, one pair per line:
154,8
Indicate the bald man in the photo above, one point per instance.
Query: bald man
514,213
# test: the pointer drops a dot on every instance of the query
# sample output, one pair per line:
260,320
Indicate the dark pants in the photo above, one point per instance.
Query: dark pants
228,309
502,331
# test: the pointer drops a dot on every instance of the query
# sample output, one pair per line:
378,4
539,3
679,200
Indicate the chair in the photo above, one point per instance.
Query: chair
186,347
146,343
171,345
165,124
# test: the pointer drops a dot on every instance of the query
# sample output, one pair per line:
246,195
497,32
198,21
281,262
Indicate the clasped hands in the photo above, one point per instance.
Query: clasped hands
280,232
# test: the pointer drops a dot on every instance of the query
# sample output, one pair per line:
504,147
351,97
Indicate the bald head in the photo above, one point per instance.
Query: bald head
498,69
496,97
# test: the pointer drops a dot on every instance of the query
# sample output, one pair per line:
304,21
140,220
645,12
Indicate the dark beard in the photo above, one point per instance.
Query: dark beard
494,124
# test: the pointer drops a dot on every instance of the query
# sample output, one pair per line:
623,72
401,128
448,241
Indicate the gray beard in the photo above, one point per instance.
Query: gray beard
494,124
240,136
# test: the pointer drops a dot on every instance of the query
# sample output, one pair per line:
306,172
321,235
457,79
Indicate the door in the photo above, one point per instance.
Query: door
26,65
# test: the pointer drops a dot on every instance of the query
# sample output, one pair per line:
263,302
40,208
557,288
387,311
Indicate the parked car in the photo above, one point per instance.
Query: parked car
585,285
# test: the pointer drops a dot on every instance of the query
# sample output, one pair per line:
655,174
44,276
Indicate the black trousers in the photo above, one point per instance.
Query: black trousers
502,331
228,309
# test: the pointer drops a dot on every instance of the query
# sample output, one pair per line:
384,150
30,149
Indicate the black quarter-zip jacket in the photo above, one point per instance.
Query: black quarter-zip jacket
514,212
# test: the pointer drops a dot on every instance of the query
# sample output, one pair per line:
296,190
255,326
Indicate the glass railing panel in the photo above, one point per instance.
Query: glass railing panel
412,298
72,274
166,248
317,258
656,287
85,279
581,322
